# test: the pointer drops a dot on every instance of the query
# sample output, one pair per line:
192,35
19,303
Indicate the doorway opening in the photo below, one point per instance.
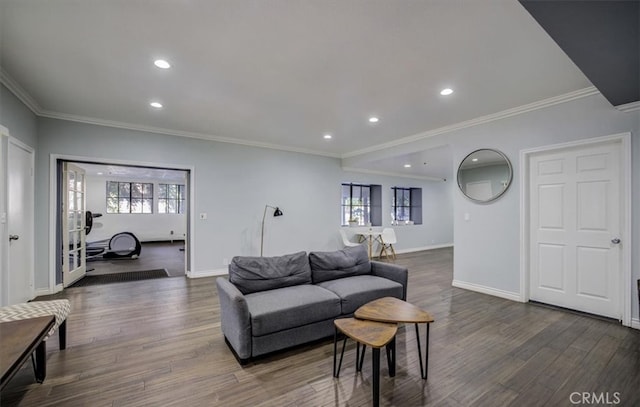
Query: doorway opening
135,218
576,207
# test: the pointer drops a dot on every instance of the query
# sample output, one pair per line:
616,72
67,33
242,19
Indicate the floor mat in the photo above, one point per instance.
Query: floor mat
119,277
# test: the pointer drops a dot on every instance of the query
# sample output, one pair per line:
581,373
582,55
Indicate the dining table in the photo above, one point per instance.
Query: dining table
370,234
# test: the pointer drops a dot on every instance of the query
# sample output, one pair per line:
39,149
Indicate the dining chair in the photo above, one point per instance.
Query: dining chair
388,240
345,239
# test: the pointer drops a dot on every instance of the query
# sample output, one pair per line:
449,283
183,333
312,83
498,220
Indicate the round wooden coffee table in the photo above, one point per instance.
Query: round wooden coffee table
393,310
368,333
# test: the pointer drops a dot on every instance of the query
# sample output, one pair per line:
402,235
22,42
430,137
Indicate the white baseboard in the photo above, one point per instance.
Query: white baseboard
208,273
419,249
42,291
635,323
48,290
487,290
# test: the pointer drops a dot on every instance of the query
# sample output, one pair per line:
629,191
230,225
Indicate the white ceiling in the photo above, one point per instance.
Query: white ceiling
282,73
123,172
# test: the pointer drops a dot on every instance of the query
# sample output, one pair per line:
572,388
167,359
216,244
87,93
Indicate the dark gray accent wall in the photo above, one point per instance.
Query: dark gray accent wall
601,37
416,206
376,205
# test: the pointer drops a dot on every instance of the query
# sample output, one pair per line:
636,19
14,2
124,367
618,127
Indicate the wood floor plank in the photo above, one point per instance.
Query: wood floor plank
158,343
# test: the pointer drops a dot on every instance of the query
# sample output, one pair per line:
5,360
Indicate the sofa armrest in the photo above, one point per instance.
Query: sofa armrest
235,319
393,272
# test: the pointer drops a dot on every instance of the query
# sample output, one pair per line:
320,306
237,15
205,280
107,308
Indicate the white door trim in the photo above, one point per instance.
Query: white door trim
53,159
4,233
625,285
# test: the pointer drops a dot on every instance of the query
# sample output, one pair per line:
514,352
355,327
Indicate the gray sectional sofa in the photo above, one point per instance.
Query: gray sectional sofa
273,303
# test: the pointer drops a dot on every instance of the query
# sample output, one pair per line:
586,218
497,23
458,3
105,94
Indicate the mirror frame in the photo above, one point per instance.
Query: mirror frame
509,181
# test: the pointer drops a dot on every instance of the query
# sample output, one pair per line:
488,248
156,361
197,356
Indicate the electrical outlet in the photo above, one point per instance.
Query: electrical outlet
171,232
225,262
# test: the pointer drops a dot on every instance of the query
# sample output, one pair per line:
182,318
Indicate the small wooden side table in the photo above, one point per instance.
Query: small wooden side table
368,333
393,310
19,340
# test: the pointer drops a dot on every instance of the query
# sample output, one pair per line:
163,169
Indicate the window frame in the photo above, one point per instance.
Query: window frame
414,207
129,198
371,210
179,201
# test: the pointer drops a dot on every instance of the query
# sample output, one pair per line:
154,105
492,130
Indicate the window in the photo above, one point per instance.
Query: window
171,198
361,203
129,197
401,204
406,205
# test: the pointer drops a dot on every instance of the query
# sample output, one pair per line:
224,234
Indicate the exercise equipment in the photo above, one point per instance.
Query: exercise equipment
123,245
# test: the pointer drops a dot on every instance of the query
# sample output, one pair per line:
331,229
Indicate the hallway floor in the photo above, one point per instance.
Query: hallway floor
154,255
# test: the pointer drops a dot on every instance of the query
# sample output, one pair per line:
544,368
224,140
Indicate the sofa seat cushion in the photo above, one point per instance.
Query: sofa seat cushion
359,290
289,307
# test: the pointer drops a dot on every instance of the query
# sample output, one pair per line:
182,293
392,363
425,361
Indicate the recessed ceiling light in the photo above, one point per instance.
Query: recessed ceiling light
474,159
327,136
99,173
161,63
373,119
157,105
407,166
446,92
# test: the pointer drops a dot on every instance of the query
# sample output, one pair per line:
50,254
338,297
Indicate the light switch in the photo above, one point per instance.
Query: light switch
467,216
203,215
3,218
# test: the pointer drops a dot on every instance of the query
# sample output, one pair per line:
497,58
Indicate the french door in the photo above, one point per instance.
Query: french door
74,249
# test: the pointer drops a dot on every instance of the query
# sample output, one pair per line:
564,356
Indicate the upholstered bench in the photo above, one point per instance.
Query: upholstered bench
58,308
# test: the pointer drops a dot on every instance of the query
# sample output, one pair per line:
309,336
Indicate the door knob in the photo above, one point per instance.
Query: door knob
13,237
615,241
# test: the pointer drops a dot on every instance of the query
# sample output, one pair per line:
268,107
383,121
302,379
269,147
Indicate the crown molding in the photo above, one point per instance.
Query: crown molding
19,91
629,107
31,103
392,174
541,104
178,133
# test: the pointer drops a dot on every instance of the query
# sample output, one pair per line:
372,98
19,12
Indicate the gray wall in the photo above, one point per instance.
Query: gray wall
16,117
232,185
487,247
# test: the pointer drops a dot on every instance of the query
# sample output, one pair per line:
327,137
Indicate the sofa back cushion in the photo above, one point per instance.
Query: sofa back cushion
350,261
252,274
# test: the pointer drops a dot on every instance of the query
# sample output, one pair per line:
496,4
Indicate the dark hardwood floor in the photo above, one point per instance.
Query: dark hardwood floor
154,255
158,343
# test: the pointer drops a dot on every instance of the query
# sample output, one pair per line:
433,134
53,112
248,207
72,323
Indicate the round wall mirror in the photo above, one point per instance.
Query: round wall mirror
484,175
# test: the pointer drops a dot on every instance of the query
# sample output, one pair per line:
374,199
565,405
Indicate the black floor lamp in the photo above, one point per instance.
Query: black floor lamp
276,212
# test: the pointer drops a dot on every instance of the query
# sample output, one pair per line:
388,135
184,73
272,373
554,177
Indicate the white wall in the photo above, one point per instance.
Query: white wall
487,247
437,210
232,183
147,227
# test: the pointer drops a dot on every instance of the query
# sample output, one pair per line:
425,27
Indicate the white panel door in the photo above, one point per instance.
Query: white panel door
74,251
575,221
20,224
